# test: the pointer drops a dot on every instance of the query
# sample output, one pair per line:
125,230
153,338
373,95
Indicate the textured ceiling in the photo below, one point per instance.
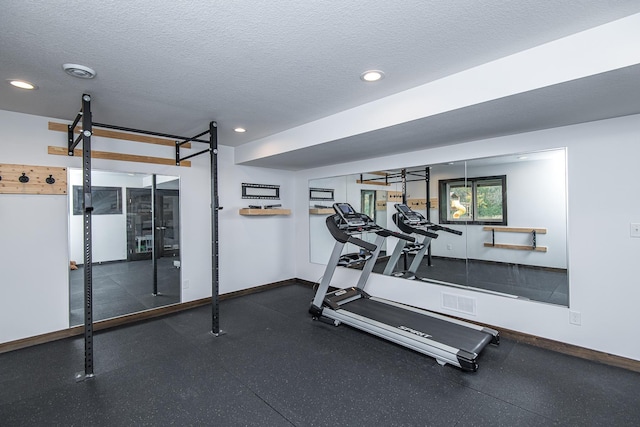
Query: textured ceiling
172,66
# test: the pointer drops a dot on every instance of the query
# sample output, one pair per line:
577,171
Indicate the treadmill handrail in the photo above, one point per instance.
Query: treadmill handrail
413,228
386,233
344,237
423,221
361,243
439,227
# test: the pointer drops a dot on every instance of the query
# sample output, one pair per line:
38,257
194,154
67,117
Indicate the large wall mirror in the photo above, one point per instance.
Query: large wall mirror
511,212
135,243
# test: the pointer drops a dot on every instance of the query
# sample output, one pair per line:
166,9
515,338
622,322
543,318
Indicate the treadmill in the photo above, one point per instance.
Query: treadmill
446,339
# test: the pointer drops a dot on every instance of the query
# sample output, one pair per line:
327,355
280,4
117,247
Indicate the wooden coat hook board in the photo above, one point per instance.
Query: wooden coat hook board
25,179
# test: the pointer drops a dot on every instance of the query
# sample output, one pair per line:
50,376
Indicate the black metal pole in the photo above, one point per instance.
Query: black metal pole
193,138
71,144
215,273
427,179
404,186
88,207
193,155
155,226
403,176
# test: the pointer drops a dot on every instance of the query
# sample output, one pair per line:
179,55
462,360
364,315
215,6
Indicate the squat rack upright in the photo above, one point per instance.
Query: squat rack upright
85,136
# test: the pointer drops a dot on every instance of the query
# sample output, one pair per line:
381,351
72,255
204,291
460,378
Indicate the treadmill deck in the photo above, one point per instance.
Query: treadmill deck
424,325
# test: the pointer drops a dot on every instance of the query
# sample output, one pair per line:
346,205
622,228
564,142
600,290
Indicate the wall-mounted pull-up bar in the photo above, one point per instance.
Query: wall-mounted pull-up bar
85,137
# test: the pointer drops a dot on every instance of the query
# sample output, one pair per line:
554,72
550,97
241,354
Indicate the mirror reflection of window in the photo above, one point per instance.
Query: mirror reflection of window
368,202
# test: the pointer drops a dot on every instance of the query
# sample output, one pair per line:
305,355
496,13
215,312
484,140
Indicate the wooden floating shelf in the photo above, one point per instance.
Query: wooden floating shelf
520,247
321,211
264,212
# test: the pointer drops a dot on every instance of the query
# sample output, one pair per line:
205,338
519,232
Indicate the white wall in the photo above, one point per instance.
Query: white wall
34,230
604,285
255,250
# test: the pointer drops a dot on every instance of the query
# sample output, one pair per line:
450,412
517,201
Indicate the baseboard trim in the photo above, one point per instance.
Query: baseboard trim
571,350
134,317
557,346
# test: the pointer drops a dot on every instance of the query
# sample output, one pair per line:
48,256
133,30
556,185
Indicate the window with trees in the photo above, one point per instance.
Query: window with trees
480,200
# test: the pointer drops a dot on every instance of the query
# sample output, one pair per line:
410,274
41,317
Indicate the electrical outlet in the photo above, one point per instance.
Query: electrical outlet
185,284
575,318
635,229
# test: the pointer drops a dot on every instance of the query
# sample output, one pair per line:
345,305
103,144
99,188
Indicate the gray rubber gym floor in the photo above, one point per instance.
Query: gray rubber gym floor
277,367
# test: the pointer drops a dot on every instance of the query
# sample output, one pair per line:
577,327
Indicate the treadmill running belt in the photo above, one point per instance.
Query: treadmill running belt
448,333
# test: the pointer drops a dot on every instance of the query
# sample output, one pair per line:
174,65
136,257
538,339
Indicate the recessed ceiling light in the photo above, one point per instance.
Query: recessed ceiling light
372,75
22,84
79,71
240,130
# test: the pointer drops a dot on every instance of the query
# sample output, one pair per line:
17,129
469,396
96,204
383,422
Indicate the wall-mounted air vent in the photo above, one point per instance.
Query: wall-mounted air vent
459,303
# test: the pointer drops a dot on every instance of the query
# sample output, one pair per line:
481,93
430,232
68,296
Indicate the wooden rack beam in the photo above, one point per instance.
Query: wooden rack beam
364,181
62,151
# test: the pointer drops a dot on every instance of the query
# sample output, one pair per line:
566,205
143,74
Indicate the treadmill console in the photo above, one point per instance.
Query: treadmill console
349,215
408,215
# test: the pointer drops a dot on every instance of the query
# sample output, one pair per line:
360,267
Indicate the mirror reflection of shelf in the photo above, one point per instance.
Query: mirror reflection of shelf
531,230
264,212
321,211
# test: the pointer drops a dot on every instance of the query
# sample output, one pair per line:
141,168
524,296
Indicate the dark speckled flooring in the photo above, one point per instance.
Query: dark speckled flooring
277,367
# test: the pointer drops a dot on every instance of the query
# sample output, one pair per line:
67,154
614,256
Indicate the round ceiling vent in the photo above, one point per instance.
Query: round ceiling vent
79,71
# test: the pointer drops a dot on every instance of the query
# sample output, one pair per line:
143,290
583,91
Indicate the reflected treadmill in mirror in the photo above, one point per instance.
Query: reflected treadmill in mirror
534,194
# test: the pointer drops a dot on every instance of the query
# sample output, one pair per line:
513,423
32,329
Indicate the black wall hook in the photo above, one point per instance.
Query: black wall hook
50,180
24,178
